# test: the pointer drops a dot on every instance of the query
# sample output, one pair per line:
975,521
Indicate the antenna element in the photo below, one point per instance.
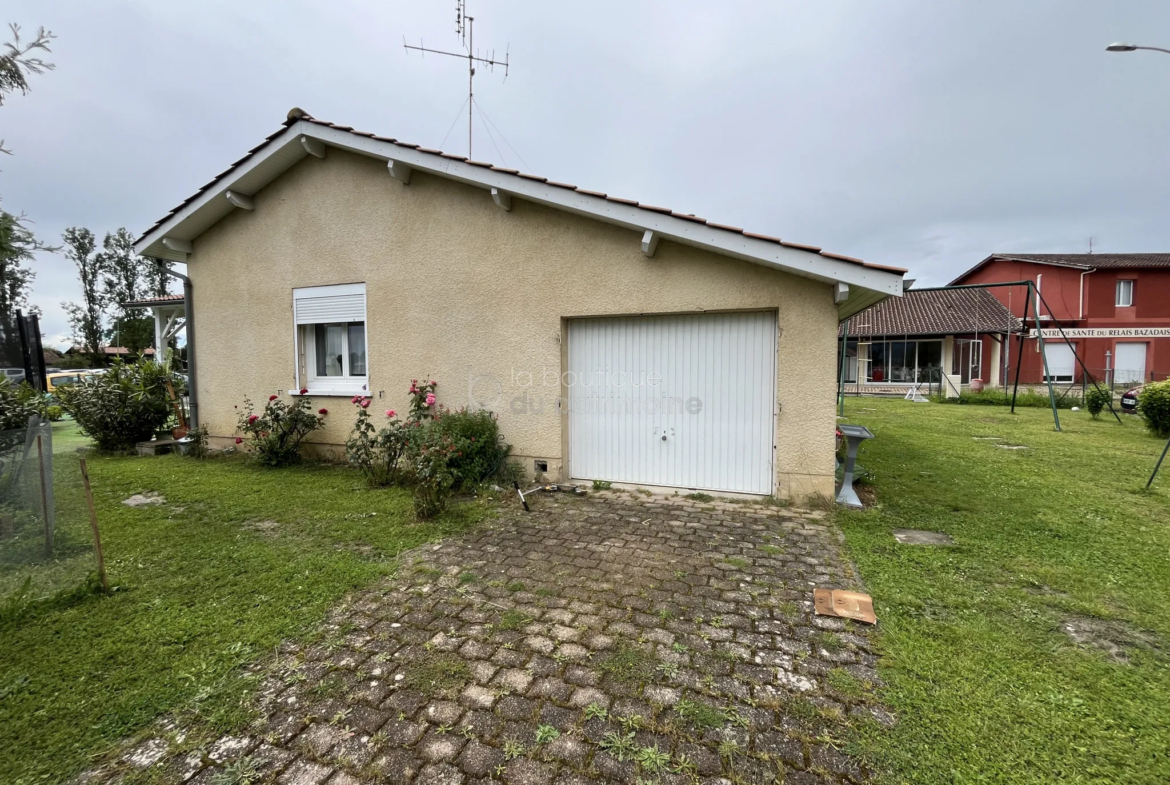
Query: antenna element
465,29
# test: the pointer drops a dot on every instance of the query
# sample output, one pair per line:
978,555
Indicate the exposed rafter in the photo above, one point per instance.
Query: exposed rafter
650,242
502,200
314,147
399,171
240,201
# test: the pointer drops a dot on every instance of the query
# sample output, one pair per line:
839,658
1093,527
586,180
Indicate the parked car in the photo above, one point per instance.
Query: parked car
14,375
56,380
1129,399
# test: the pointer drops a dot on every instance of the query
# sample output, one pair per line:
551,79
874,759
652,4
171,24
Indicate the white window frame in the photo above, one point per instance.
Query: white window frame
1128,290
304,344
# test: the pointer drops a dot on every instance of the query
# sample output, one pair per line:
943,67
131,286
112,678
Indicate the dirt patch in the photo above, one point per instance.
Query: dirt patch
1116,638
264,527
143,499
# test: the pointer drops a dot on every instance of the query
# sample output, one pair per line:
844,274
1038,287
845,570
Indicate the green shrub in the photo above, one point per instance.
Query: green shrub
1096,399
54,413
275,434
18,402
1154,407
121,407
430,454
377,452
479,452
996,397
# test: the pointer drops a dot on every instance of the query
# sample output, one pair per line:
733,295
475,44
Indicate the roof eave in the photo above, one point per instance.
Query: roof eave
285,148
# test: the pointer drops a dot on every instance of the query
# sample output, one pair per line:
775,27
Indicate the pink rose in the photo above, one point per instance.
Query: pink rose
322,411
390,413
239,440
430,399
366,403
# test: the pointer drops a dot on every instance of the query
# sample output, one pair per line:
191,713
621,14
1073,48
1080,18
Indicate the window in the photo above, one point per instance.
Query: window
1124,294
331,339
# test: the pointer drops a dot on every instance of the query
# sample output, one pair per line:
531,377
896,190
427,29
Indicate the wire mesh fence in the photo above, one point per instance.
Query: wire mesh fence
46,546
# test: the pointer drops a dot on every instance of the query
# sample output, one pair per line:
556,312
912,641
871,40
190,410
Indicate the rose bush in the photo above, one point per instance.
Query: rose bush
376,452
275,434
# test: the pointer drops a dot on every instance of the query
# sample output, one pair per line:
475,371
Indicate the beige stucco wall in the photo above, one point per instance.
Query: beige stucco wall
458,289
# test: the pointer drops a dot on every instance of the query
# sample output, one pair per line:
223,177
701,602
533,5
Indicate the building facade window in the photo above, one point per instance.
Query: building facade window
900,362
1124,293
331,339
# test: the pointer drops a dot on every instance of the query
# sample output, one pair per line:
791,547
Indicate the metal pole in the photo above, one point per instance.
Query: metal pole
841,374
1165,450
45,501
1020,347
1044,358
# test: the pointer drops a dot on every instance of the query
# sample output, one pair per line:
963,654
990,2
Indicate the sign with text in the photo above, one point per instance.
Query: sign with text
1105,332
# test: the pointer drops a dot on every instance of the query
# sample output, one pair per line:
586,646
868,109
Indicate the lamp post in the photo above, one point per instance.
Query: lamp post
1119,47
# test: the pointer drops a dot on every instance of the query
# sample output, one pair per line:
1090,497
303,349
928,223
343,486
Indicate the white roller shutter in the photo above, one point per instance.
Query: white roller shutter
321,304
685,401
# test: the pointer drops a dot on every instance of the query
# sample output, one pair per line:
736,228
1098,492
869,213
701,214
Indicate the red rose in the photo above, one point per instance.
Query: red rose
304,391
254,418
239,440
322,411
272,397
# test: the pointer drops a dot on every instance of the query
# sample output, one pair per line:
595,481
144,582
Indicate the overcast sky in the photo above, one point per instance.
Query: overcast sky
920,134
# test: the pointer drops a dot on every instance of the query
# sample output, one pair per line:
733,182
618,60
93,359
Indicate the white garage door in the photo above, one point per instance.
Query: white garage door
1130,363
1062,362
682,401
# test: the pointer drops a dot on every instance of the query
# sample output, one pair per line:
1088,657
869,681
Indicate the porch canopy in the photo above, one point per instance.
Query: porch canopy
170,316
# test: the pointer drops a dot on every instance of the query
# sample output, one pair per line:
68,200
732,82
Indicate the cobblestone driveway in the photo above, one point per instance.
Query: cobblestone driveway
615,638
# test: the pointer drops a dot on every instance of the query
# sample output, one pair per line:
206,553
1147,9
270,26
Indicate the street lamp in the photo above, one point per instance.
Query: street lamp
1119,47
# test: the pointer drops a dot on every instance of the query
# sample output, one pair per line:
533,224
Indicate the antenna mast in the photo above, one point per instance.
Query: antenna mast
465,29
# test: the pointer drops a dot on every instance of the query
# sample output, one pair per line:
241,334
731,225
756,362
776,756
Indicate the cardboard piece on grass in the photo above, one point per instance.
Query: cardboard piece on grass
844,604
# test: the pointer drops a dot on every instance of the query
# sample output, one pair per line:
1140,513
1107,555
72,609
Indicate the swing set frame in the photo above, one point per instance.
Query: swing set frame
1033,299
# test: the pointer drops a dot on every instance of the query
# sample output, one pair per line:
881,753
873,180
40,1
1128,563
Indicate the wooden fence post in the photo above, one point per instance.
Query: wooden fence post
93,525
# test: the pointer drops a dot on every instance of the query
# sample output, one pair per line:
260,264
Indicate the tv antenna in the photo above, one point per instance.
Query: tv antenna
465,29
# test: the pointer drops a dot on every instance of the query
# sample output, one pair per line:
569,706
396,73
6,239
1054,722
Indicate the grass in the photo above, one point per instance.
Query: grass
628,663
985,684
440,675
200,592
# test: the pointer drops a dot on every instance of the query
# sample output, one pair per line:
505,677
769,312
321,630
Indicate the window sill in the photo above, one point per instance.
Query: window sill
331,392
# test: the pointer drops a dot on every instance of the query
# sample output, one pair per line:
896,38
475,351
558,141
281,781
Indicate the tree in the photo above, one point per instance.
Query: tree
125,278
87,319
17,246
17,63
157,281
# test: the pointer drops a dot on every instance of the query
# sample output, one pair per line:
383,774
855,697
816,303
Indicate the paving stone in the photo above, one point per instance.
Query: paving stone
396,765
514,680
553,689
477,697
661,696
439,774
525,771
569,749
587,695
479,760
512,707
304,772
539,643
437,747
443,712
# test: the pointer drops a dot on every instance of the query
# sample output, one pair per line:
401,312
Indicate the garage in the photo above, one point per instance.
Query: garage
683,401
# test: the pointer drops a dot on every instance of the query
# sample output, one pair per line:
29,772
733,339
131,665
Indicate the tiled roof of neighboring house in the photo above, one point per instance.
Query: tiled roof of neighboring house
934,312
1081,261
166,299
298,115
111,350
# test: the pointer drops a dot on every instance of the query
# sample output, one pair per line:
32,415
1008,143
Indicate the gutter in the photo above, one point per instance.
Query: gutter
189,305
1081,307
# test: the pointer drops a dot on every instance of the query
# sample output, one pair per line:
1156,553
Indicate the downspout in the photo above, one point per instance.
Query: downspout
1081,307
189,306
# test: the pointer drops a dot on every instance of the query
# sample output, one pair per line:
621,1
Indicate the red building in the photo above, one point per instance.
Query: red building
1114,309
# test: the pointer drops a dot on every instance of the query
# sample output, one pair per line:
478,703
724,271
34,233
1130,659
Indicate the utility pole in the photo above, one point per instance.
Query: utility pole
465,29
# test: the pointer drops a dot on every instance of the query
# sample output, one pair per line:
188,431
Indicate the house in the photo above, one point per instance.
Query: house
615,340
1114,310
938,338
75,352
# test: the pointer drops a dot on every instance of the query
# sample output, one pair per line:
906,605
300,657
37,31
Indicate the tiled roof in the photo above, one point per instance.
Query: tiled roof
297,115
1081,261
934,312
166,299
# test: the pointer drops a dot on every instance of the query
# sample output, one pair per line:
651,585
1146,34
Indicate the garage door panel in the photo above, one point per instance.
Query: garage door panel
705,382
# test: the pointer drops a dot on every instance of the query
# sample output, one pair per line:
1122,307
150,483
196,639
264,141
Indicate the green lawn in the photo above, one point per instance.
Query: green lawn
985,685
200,590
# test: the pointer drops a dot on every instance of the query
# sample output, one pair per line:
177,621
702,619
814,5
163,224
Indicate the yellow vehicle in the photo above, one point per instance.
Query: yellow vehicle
56,380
